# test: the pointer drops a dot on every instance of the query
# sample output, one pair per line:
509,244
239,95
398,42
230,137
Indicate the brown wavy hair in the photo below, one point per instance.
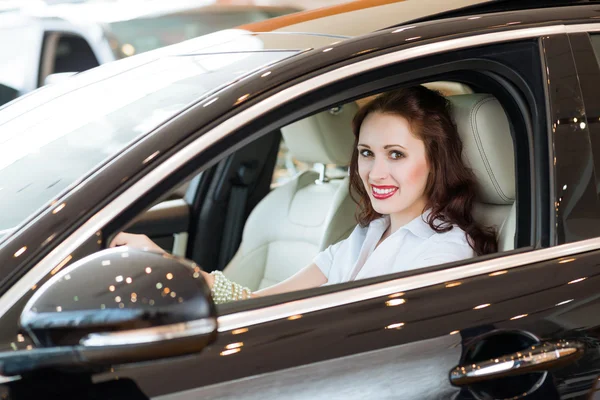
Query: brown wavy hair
451,185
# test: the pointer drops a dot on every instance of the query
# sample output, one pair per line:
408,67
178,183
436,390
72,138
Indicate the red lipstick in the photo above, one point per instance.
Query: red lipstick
383,192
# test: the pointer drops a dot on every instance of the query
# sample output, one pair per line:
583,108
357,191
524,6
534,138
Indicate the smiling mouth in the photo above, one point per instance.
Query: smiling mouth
383,192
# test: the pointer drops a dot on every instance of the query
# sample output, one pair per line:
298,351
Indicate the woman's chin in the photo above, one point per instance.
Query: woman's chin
383,209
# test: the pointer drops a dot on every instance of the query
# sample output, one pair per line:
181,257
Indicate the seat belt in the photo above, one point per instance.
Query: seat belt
236,210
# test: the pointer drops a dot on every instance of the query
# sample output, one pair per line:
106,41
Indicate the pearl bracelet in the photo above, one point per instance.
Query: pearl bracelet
224,291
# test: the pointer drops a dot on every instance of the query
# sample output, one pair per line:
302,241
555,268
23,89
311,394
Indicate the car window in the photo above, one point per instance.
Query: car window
288,167
73,54
62,140
139,35
596,45
307,220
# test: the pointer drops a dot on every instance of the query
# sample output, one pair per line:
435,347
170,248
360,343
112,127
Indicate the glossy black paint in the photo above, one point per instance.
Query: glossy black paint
130,289
562,304
576,206
127,167
425,314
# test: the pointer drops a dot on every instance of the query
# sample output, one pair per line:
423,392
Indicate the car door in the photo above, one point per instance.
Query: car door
403,336
400,336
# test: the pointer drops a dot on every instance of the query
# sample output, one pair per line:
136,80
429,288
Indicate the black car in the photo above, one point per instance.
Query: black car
184,144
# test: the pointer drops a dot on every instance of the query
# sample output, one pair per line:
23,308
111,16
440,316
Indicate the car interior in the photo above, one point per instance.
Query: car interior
233,218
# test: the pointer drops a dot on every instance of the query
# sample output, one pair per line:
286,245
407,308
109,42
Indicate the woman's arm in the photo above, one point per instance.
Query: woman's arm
308,277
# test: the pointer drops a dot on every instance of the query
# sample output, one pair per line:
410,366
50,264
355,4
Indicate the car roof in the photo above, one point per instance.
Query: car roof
359,17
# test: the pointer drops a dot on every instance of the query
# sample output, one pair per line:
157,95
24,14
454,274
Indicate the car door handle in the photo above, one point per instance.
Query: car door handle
537,358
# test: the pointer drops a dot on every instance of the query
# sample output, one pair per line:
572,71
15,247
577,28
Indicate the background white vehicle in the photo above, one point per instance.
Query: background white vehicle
40,43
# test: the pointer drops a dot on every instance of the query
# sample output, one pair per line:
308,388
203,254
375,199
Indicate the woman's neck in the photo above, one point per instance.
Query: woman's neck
398,220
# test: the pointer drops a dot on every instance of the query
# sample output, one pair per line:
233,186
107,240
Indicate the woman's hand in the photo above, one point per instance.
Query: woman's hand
145,243
136,241
208,278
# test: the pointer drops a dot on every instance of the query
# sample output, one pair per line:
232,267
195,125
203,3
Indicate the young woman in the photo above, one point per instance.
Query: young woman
414,193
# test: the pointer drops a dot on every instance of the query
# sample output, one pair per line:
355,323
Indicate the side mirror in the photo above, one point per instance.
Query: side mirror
116,306
57,77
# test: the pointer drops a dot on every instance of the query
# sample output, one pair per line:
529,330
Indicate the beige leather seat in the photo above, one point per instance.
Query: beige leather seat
488,150
287,229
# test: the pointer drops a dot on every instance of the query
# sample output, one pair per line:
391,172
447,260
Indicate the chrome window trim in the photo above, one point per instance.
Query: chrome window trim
109,212
248,318
130,337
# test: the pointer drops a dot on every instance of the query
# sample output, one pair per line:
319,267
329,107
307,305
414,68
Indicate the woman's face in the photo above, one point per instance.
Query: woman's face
392,165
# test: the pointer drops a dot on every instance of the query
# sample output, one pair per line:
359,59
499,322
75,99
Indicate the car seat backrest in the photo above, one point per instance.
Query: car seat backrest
288,228
488,149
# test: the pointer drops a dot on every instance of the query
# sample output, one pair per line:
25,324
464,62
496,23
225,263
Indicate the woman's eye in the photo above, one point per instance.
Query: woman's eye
365,153
396,155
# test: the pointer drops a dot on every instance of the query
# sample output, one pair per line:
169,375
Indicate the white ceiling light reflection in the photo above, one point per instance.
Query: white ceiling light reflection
566,260
20,251
479,307
242,98
403,29
394,302
150,157
577,280
453,284
395,326
208,103
266,74
60,207
519,316
230,352
562,303
454,332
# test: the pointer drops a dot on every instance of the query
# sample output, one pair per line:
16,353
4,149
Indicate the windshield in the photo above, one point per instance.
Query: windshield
139,35
47,148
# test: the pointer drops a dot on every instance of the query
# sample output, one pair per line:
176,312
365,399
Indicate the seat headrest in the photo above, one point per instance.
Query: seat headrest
325,138
488,146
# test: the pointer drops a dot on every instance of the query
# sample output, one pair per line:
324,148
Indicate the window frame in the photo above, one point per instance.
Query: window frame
227,132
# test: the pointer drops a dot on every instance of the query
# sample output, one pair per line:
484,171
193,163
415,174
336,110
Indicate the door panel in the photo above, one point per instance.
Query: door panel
417,340
416,371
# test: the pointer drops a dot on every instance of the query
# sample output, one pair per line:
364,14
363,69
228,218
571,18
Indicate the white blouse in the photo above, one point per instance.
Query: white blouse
415,245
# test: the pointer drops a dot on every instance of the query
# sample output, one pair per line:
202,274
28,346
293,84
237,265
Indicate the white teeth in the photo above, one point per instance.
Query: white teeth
383,191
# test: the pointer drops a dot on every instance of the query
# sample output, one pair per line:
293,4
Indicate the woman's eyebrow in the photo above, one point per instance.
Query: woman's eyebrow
387,146
363,145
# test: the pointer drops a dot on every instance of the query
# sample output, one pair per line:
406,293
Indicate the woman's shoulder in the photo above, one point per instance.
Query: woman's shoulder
454,241
454,235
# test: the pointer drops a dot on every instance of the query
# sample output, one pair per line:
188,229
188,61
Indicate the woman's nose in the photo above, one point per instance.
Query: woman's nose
379,170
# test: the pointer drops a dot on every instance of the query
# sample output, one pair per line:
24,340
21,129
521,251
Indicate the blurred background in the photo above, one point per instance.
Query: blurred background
44,41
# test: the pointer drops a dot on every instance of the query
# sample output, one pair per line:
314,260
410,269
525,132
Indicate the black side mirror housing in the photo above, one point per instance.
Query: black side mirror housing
119,305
